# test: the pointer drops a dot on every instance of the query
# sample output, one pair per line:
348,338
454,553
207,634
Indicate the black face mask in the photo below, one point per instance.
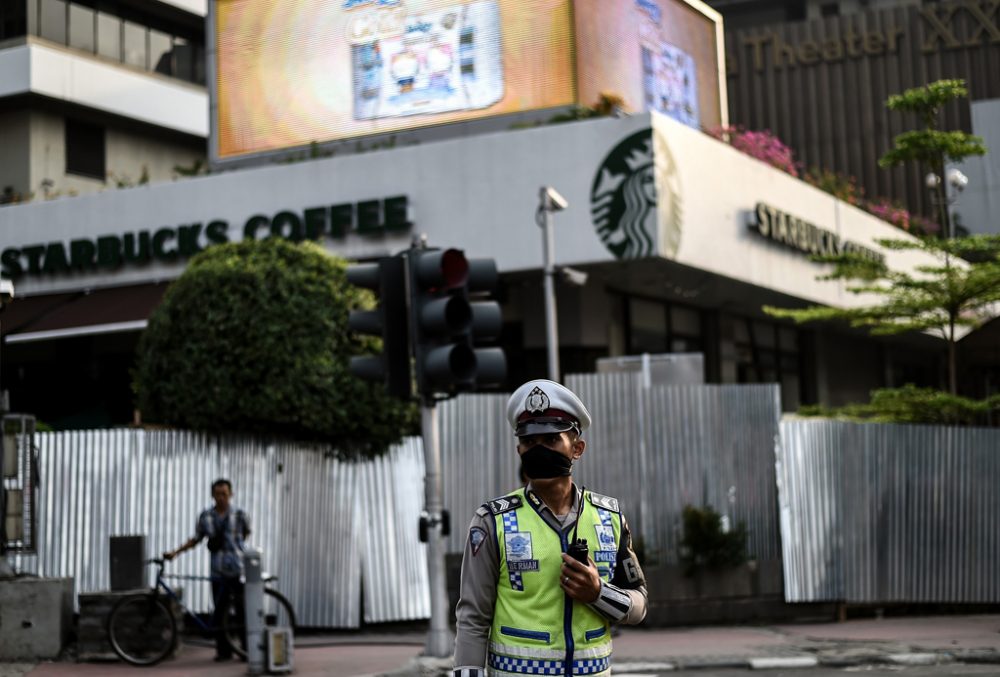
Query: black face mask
541,463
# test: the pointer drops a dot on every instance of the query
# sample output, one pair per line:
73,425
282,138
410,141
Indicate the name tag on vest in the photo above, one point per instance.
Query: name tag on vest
523,565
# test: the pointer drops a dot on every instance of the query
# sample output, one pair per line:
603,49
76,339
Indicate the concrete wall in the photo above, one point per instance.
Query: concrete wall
14,137
978,206
127,154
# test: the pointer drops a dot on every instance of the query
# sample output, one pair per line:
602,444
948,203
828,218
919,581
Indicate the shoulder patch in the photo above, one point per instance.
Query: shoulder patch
499,505
606,502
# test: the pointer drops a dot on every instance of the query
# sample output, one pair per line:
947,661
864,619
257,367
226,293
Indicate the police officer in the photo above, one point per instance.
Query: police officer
526,607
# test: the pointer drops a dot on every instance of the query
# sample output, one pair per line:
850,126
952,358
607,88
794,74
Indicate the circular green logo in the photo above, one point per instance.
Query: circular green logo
625,197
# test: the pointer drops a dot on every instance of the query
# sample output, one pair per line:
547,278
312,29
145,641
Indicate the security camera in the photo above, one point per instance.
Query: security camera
6,291
572,276
552,200
957,179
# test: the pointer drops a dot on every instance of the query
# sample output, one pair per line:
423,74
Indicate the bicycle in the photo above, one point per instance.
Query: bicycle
142,628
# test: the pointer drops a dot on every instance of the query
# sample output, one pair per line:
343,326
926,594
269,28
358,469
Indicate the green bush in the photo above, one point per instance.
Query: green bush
706,545
911,404
253,338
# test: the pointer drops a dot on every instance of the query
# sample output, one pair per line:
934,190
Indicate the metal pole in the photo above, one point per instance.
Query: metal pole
253,609
440,640
551,325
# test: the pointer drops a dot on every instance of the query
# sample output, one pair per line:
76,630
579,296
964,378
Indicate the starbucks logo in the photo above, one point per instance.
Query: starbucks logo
635,199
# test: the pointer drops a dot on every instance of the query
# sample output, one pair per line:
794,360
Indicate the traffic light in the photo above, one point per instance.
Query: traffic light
446,325
387,278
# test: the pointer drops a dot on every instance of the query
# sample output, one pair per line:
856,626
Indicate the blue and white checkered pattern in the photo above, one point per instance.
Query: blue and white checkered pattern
532,666
605,517
510,527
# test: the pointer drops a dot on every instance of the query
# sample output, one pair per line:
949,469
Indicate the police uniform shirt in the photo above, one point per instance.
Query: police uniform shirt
481,573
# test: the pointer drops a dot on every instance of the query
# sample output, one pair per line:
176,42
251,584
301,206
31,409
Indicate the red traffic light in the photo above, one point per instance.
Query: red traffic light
442,269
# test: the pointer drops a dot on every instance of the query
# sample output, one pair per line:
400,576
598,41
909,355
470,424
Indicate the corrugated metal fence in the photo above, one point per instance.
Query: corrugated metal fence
342,537
656,448
889,513
324,525
868,513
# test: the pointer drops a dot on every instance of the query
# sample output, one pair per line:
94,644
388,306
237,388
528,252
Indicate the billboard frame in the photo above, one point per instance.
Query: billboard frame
381,140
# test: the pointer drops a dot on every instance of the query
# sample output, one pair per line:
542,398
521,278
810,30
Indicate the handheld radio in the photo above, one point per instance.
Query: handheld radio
578,549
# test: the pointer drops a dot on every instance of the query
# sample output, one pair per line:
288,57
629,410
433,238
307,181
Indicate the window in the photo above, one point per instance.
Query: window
85,149
109,36
13,19
766,352
81,27
52,20
160,57
658,327
135,45
647,327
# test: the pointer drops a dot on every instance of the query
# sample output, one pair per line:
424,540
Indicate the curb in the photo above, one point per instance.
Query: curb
424,666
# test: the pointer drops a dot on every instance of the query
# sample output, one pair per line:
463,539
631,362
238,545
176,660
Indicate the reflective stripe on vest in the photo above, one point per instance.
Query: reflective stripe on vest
534,631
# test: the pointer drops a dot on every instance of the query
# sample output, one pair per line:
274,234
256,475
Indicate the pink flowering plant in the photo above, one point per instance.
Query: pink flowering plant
762,145
768,148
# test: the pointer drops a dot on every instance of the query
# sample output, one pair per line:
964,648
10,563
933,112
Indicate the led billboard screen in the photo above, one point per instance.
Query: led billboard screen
288,74
661,55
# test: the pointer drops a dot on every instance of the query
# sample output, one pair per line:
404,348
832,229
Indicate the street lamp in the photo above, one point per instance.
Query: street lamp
551,202
940,196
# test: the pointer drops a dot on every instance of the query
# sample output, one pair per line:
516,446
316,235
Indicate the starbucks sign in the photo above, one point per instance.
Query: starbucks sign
635,198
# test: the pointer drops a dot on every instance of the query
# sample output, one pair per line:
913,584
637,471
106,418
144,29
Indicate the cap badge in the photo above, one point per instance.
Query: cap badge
537,401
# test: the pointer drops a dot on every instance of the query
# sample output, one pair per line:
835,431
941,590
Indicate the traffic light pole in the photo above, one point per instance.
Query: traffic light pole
440,640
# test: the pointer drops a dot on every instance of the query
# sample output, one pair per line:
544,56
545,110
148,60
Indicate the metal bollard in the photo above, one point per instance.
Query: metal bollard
253,600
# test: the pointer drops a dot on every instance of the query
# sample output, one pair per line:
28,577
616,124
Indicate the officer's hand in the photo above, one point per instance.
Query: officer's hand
580,581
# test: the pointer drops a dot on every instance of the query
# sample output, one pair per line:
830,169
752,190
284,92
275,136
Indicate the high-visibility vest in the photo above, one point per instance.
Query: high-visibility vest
537,628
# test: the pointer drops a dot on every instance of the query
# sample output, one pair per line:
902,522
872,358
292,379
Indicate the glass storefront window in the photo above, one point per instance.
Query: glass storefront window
81,27
648,327
109,36
788,338
685,321
52,20
135,44
763,334
160,48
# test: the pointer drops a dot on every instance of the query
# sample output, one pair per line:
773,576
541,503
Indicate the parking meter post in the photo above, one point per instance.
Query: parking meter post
253,601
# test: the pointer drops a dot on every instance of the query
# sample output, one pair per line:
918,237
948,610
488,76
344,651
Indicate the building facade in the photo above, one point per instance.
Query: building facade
683,239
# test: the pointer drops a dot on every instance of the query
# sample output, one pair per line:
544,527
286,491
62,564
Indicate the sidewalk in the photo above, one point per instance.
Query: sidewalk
905,641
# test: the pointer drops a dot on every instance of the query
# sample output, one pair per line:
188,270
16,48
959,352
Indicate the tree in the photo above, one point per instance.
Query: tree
253,338
930,146
939,298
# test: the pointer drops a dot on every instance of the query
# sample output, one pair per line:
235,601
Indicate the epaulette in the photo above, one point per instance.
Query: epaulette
606,502
482,511
499,505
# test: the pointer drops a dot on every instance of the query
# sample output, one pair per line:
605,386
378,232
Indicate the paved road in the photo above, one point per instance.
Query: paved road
860,671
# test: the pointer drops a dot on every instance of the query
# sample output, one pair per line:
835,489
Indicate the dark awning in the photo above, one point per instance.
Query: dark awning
100,311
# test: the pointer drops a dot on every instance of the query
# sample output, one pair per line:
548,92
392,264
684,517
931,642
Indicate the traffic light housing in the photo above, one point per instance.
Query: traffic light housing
387,278
446,324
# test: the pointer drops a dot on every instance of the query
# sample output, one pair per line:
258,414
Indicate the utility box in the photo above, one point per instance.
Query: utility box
279,650
128,572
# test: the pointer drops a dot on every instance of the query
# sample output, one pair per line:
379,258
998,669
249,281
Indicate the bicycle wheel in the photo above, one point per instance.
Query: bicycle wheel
141,630
278,613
